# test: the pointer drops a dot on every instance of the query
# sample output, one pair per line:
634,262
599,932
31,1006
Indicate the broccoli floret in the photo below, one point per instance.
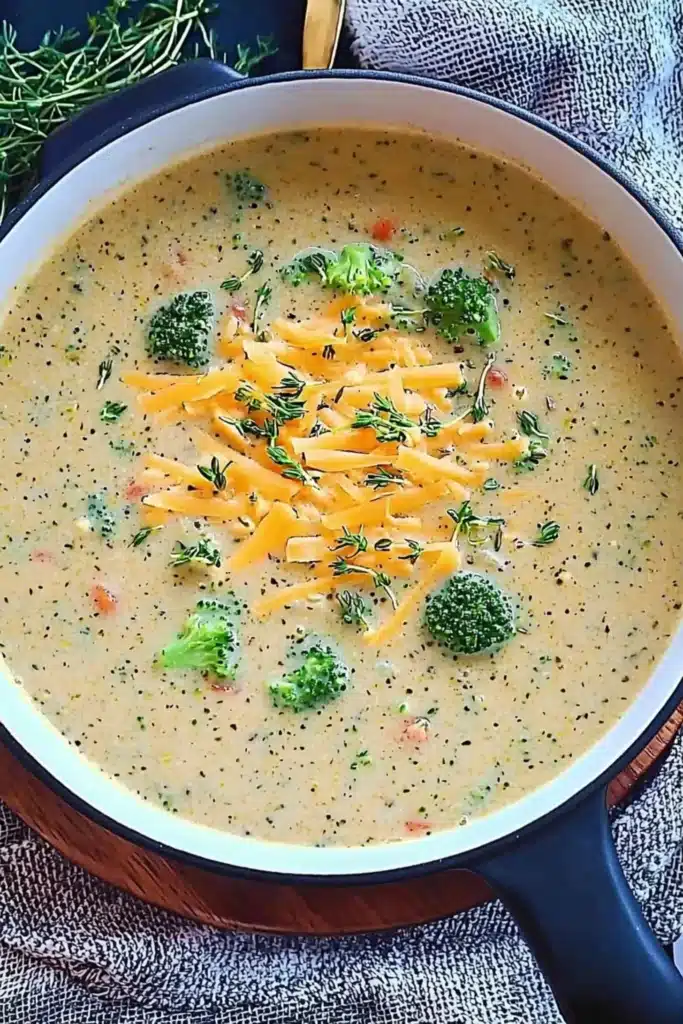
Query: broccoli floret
100,516
321,677
359,269
180,331
207,641
248,189
306,265
457,302
363,270
470,614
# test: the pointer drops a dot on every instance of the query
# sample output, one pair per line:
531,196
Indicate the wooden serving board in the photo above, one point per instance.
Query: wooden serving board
258,906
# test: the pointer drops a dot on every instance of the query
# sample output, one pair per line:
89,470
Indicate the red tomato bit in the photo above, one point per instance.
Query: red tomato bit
418,826
135,490
497,378
383,230
43,556
415,730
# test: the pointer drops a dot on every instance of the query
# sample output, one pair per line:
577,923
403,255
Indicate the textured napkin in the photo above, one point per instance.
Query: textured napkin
76,951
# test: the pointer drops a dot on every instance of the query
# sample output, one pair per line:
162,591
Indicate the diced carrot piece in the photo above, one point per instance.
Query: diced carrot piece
104,599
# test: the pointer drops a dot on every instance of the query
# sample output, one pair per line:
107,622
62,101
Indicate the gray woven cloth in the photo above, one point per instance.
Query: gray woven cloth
75,951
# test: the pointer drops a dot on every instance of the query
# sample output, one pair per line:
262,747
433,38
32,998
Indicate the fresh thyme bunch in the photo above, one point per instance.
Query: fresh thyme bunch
41,88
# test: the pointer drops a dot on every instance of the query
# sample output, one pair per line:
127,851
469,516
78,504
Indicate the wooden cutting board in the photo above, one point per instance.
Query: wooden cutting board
259,906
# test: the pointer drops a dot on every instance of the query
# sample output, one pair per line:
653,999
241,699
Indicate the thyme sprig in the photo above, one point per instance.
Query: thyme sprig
474,528
291,469
342,567
203,552
254,264
592,481
480,409
214,474
383,417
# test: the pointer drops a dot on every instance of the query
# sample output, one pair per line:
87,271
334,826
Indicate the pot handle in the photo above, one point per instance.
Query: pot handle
118,113
565,887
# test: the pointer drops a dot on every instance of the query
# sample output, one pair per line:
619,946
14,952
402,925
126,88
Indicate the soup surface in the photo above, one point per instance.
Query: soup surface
418,739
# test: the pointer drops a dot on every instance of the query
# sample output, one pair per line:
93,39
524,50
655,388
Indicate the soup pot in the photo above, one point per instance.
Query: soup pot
550,855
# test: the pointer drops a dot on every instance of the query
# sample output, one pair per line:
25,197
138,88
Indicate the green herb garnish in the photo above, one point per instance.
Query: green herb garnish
361,760
592,483
248,59
547,534
141,536
214,474
382,477
348,318
353,609
560,366
112,411
530,426
533,457
474,528
342,567
480,409
495,262
291,469
430,425
291,385
358,542
254,264
263,297
416,549
384,418
104,372
203,552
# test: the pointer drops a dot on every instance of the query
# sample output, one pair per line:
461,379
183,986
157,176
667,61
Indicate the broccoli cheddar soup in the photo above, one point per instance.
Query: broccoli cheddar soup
341,491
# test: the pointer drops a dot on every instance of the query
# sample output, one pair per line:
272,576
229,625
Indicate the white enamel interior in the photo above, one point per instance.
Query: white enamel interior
306,102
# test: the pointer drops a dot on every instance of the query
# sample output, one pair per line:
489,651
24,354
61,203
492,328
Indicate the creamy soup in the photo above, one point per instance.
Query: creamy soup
579,515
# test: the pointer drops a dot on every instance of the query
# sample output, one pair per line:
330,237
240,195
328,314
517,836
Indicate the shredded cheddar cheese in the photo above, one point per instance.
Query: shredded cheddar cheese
318,437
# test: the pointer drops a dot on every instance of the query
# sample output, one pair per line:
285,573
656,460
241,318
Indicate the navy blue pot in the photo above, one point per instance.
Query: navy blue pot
551,856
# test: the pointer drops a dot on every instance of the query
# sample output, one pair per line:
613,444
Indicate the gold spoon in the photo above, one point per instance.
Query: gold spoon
322,28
